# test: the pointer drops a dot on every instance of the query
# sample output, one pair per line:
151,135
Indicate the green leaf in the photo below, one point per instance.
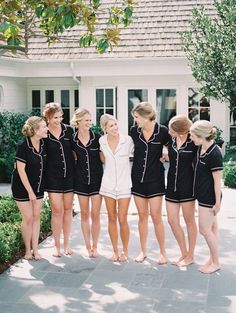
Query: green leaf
102,45
4,27
14,41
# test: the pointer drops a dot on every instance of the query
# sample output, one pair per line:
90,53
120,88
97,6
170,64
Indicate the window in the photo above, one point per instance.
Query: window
76,98
198,106
105,102
166,104
65,104
36,101
49,96
135,96
68,98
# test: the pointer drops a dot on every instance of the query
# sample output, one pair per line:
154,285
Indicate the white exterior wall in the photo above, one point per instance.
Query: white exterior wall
13,94
219,111
89,75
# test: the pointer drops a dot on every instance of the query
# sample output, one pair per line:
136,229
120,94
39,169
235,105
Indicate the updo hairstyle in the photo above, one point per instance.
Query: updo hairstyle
32,125
145,110
203,129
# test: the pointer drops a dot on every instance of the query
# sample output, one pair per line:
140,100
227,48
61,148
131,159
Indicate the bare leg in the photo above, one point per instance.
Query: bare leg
173,210
26,209
208,228
123,206
67,220
156,215
143,212
96,202
56,202
112,226
85,222
37,204
189,217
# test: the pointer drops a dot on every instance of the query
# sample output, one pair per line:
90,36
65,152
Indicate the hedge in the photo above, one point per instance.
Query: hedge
11,242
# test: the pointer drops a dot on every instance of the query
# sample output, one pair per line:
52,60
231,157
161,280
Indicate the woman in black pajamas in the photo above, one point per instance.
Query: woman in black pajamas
148,175
28,182
59,175
88,176
207,188
179,192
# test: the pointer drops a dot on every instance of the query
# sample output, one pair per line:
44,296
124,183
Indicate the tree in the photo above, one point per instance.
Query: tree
22,19
210,48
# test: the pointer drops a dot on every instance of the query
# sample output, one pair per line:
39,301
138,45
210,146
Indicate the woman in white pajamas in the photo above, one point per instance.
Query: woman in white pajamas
116,182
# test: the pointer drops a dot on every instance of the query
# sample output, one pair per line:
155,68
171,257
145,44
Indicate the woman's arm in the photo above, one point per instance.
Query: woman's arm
102,157
217,188
24,178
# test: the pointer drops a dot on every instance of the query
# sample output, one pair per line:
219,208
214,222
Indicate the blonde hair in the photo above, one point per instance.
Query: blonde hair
104,119
31,125
203,129
50,109
145,110
78,115
180,124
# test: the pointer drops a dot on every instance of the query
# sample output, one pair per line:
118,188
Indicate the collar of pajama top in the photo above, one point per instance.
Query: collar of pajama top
200,159
85,149
39,154
153,140
122,140
62,135
184,147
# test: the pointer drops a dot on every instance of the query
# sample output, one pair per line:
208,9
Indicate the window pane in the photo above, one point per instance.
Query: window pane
49,96
66,116
100,98
193,114
109,97
199,105
99,113
205,114
166,104
65,98
110,111
35,98
76,96
193,97
135,96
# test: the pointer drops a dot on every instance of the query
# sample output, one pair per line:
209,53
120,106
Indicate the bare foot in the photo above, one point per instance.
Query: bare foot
90,253
140,258
28,256
95,252
186,262
37,256
208,263
123,257
162,260
68,251
57,253
114,258
179,260
210,269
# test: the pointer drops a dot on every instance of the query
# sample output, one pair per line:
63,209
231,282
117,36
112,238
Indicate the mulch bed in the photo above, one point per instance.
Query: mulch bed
5,265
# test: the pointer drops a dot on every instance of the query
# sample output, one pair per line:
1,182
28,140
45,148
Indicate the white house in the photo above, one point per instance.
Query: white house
147,65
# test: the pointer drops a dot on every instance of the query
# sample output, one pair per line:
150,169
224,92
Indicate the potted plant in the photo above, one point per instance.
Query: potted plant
219,139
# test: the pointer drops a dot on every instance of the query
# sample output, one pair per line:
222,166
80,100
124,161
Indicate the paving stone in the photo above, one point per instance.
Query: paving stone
65,279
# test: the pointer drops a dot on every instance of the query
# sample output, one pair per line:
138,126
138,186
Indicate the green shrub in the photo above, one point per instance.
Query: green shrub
97,129
230,152
10,125
45,218
229,175
9,211
11,241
